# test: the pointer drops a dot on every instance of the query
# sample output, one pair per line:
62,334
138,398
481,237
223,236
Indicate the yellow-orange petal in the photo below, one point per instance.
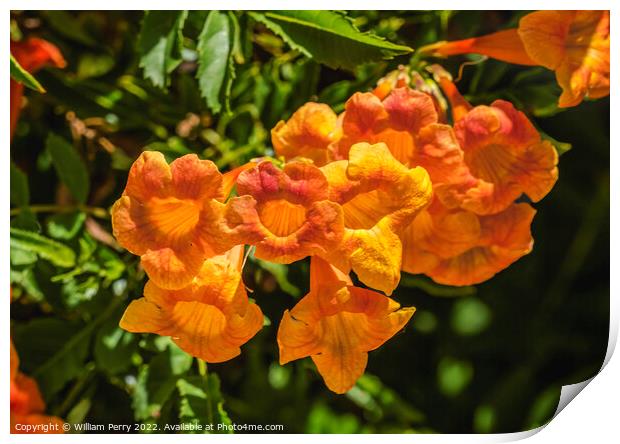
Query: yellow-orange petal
170,216
379,197
505,154
575,44
438,233
142,316
193,178
544,35
337,325
394,121
505,238
173,268
286,213
308,133
210,318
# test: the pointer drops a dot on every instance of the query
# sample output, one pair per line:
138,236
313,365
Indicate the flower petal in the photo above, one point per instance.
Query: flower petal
308,133
337,324
503,45
287,214
505,238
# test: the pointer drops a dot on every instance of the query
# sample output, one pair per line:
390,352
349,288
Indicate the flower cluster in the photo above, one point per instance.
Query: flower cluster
573,44
27,406
386,186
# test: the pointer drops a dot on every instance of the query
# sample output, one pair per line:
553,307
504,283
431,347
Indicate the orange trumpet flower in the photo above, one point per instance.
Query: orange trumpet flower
574,44
209,319
167,215
337,324
379,197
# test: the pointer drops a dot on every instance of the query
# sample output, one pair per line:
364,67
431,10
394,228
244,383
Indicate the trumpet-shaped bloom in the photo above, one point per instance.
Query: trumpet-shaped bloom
309,133
456,247
379,197
394,121
167,215
506,156
32,54
27,406
574,44
337,324
406,121
285,212
209,319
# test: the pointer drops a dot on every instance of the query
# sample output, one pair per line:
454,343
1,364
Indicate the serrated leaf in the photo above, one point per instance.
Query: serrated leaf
20,75
214,53
55,252
160,44
69,166
329,38
20,192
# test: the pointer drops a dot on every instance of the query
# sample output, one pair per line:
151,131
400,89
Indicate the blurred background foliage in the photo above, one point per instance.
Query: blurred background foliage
490,358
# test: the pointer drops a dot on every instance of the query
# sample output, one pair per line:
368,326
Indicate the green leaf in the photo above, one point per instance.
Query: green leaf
160,44
65,226
20,192
157,381
201,401
55,252
69,166
214,58
114,347
560,147
20,75
329,37
56,356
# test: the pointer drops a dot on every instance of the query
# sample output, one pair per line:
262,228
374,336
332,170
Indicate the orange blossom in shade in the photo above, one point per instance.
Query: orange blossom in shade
337,324
456,247
166,216
32,54
379,197
574,44
209,319
310,132
27,406
285,212
506,156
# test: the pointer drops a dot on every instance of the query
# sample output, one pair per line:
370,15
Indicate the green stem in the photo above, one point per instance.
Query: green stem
75,391
99,212
203,371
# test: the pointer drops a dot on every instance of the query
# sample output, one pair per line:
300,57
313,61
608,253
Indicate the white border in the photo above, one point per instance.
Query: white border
593,417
